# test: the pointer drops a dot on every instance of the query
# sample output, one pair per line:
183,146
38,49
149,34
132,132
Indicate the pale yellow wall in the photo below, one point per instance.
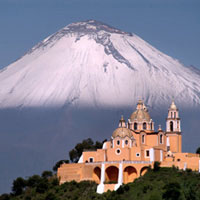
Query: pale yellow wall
151,140
97,155
134,151
175,142
113,156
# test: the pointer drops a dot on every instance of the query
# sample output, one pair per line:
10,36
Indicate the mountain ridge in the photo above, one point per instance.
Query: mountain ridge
84,55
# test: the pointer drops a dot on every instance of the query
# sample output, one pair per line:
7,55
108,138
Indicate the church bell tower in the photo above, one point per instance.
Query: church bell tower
173,129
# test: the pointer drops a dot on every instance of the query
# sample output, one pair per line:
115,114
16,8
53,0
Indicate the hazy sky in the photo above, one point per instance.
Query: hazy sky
172,26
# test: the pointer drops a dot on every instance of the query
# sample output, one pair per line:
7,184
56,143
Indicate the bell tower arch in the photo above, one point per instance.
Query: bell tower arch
173,129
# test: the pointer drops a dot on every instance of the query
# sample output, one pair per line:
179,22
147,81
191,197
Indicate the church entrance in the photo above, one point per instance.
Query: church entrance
130,173
112,174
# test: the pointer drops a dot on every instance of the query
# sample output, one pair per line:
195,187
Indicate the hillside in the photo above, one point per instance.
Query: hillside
159,184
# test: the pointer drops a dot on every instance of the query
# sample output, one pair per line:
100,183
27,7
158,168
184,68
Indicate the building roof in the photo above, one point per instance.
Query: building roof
173,106
122,132
141,114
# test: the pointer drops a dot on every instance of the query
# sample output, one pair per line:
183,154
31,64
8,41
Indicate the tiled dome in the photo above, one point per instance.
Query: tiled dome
122,132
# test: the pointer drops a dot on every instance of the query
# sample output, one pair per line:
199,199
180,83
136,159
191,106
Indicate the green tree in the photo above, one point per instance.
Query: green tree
42,186
18,186
87,144
5,197
50,196
172,191
198,150
57,165
33,181
156,166
47,174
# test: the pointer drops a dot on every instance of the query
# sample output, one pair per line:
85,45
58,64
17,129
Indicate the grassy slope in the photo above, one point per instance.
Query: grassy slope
166,183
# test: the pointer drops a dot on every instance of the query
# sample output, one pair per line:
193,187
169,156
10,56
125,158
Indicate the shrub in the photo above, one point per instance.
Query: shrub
5,197
59,163
198,150
33,180
156,166
18,186
47,174
172,191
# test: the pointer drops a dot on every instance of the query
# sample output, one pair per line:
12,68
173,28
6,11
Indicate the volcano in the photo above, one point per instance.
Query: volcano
75,84
90,64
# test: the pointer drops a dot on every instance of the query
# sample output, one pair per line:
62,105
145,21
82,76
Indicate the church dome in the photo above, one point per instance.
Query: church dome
141,114
122,132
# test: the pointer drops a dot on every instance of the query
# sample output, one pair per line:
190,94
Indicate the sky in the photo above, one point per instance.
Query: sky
172,26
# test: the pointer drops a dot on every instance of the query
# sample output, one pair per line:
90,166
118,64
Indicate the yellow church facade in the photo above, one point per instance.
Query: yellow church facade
133,147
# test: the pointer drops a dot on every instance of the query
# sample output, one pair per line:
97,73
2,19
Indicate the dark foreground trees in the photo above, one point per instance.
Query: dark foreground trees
18,186
87,144
77,151
159,184
198,150
59,163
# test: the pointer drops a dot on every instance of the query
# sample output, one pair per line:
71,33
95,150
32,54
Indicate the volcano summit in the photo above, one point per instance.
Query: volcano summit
91,64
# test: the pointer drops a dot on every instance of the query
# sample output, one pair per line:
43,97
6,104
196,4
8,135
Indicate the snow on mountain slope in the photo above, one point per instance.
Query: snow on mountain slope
92,64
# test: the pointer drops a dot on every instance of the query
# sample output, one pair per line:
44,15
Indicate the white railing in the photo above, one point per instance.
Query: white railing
117,162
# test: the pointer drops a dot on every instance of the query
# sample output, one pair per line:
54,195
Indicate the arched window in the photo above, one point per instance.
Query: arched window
118,142
135,126
171,114
161,139
144,126
142,139
151,126
171,126
174,114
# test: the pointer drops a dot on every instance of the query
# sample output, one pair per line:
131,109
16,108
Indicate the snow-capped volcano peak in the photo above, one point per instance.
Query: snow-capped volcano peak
91,26
92,64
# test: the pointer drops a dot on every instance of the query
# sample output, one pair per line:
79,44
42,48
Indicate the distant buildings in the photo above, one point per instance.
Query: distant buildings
133,146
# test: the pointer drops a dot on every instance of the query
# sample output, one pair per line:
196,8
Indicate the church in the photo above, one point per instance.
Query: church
133,147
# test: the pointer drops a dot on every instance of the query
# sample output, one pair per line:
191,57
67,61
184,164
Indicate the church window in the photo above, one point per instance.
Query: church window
137,154
142,139
161,139
178,159
171,114
118,151
135,126
126,142
144,125
151,126
118,142
175,115
168,148
147,153
91,159
171,126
